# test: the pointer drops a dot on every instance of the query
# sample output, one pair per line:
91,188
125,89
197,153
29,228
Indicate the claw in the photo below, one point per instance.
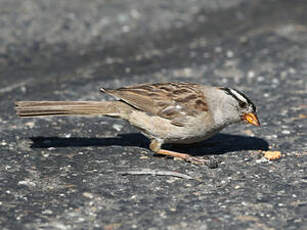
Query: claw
211,163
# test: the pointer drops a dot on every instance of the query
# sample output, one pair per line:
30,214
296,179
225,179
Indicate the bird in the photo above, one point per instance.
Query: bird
169,112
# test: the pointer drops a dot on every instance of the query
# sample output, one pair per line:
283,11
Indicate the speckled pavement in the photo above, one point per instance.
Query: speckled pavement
65,172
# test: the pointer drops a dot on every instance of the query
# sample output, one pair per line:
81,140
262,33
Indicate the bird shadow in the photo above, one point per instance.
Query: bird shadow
219,144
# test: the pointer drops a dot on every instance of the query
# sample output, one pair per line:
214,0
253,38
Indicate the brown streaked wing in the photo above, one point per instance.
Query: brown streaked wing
141,97
174,101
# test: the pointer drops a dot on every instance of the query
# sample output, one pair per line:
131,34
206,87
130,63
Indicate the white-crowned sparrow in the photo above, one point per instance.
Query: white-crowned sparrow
164,112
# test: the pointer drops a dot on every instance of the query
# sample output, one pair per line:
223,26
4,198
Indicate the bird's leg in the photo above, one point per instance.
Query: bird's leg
155,146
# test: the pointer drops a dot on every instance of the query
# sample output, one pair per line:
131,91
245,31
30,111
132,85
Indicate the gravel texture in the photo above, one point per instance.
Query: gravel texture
69,172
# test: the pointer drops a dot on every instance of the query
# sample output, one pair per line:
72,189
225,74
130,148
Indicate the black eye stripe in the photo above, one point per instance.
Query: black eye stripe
242,104
228,91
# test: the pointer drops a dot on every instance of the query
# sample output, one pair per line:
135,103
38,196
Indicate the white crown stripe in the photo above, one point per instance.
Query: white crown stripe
238,95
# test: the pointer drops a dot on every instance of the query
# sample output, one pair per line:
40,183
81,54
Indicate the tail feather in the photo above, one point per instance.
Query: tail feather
62,108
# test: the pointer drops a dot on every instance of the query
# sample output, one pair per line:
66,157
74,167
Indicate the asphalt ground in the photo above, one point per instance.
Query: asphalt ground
70,172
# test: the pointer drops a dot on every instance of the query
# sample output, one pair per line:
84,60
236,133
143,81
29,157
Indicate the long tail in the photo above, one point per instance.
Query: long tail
62,108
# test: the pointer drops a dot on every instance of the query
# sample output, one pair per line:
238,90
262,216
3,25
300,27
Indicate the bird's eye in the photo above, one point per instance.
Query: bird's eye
242,104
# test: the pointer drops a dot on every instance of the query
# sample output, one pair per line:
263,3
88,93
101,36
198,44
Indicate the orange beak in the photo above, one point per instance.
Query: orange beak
251,118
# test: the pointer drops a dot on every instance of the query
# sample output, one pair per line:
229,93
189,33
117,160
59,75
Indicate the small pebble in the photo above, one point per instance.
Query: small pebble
68,135
27,183
251,74
126,29
283,74
275,81
143,157
30,124
135,14
127,70
47,212
229,54
23,89
243,39
45,155
285,132
292,71
218,49
88,195
3,143
117,127
260,78
7,167
206,55
261,160
274,136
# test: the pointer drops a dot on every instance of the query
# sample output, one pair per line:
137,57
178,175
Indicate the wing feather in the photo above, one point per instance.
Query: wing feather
173,101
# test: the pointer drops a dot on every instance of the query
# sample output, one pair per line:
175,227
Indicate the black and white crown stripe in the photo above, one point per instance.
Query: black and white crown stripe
239,96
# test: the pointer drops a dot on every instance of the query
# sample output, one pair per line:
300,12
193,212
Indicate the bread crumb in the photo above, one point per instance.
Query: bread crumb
272,155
